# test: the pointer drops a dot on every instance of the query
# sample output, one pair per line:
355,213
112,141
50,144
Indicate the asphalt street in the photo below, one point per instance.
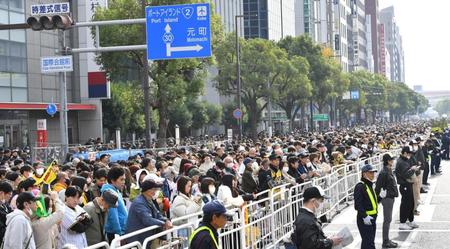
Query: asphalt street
434,219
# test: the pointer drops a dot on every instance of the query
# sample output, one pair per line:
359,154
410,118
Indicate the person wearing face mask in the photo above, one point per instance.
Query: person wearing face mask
185,204
366,205
38,171
206,163
249,184
44,228
404,173
19,233
208,189
386,189
308,233
144,213
97,210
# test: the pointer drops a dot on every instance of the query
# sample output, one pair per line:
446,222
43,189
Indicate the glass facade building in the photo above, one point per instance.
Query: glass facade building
13,53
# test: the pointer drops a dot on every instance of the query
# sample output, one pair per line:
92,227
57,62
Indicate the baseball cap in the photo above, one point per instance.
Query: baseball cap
303,155
368,168
110,197
216,207
247,161
406,149
314,192
149,184
274,156
387,157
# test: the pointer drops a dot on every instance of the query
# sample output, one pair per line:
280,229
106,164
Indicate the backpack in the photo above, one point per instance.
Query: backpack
4,210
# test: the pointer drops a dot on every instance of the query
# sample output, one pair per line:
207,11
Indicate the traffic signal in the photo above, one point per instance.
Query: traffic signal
50,22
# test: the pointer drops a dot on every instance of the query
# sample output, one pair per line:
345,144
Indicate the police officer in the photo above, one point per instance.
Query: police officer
366,203
215,216
386,189
308,232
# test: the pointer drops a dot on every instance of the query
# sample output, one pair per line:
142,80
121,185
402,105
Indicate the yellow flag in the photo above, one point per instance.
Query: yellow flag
50,174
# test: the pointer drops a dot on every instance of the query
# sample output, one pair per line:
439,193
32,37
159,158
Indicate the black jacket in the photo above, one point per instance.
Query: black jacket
248,184
386,180
264,176
308,232
4,210
362,200
420,157
403,171
296,175
203,239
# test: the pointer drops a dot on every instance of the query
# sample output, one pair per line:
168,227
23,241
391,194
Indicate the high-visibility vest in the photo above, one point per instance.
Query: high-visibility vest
202,228
373,200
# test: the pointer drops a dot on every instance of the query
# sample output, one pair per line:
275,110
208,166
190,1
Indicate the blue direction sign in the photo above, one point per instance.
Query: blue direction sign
178,31
51,109
354,95
237,114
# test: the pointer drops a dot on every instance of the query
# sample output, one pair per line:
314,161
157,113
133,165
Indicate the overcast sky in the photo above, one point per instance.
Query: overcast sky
425,28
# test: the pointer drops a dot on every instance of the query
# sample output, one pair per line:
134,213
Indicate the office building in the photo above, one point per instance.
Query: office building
393,43
25,92
228,10
372,14
269,19
358,48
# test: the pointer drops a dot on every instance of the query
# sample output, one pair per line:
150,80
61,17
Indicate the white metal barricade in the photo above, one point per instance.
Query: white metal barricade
265,223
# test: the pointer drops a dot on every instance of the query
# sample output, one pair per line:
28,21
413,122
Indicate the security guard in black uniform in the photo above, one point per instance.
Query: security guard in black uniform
215,216
366,204
308,232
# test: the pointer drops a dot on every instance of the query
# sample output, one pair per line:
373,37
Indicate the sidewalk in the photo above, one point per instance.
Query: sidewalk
434,219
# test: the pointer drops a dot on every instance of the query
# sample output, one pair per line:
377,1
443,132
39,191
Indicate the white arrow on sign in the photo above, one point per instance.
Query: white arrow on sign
170,49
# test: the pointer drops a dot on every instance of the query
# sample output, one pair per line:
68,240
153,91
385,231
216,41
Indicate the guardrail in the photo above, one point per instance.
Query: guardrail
268,222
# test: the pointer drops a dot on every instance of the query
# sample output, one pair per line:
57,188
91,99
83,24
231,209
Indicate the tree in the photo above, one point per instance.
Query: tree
174,81
293,88
123,110
260,68
324,72
443,107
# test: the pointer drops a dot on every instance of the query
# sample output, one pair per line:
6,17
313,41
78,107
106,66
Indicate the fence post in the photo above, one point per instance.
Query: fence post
272,218
346,183
243,228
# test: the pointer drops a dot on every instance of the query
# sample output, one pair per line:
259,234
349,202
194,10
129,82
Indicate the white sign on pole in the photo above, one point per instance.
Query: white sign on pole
230,134
42,124
57,64
50,9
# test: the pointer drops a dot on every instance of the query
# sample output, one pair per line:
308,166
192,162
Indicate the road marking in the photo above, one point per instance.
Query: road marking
402,231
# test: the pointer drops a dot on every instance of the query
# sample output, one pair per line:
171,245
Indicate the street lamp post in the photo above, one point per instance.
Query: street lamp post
238,72
238,69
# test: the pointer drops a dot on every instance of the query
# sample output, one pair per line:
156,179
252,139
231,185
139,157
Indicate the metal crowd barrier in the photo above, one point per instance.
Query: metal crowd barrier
265,223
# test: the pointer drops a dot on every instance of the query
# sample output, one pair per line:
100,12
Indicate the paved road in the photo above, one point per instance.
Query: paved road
434,219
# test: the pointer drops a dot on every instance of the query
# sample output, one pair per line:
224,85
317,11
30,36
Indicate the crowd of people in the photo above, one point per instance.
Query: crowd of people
87,202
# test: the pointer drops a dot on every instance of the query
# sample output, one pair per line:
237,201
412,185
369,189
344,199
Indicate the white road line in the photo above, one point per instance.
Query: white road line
403,231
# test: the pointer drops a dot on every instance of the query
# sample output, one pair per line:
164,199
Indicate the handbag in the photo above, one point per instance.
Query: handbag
81,224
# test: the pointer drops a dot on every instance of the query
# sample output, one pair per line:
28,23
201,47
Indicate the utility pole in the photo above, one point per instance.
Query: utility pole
269,110
146,88
281,14
63,123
